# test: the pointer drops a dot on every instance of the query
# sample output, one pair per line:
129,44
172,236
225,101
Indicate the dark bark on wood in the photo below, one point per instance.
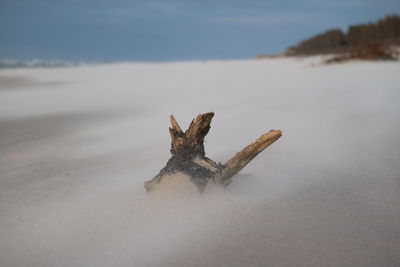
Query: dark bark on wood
188,154
190,144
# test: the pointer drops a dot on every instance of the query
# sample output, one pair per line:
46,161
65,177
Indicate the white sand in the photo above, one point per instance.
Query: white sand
76,145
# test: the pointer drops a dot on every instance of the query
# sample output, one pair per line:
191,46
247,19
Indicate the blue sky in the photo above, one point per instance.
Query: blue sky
171,30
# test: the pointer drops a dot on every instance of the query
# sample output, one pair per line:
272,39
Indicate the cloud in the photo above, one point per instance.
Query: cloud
272,19
138,11
166,8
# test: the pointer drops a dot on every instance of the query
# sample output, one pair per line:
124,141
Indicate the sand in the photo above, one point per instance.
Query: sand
77,144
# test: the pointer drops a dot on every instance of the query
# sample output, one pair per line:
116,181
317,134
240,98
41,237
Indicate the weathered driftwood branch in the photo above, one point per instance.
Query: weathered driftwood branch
188,159
241,159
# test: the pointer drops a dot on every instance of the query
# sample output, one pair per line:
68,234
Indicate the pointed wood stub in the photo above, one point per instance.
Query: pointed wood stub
186,145
175,124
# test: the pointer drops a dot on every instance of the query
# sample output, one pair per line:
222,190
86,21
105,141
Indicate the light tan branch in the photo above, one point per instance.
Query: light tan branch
241,159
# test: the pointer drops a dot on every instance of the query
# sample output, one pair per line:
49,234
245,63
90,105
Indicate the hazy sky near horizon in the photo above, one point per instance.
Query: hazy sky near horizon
171,30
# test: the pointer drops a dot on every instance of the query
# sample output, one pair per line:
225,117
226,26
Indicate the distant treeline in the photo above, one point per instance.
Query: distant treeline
385,31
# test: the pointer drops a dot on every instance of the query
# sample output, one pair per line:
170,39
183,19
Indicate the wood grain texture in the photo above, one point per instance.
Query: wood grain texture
242,158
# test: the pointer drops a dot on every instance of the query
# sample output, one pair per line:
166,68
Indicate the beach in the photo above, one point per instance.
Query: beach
77,144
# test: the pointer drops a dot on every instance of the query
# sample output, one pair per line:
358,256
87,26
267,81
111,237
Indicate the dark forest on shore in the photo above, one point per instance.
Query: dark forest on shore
361,37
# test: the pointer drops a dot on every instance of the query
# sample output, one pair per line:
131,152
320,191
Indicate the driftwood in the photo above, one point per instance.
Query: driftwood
189,160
